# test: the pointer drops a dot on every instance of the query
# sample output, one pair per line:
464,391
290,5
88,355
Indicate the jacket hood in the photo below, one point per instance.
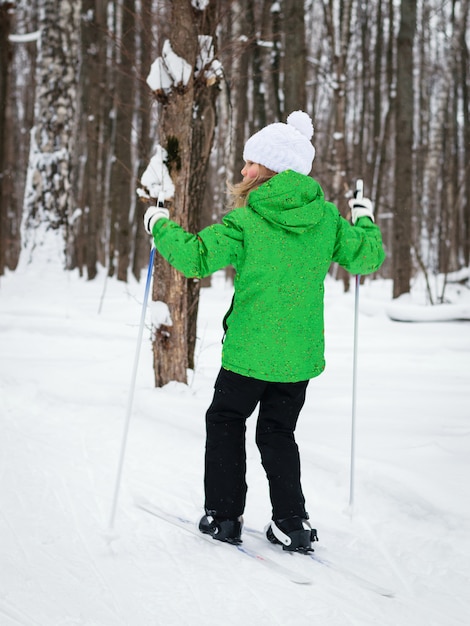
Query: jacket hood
290,200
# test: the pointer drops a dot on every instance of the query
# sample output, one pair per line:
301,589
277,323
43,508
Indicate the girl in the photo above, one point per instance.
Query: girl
281,238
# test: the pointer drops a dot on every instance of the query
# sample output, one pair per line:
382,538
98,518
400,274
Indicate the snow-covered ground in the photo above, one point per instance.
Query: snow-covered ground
66,354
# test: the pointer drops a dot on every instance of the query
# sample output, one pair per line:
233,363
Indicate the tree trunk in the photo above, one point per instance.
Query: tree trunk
122,199
239,80
5,60
49,202
270,51
90,153
377,106
383,179
145,139
203,128
19,121
258,117
465,85
186,127
294,56
338,21
402,236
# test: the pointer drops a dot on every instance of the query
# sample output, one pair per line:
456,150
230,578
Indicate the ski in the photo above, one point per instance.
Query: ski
286,572
190,527
360,580
346,573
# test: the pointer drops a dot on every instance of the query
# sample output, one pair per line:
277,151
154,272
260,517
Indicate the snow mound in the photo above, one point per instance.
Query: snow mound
404,309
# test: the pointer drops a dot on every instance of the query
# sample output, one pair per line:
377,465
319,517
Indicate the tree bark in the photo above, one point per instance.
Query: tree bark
90,161
294,56
239,81
6,9
186,126
145,139
202,138
49,201
122,198
402,236
465,85
338,21
338,24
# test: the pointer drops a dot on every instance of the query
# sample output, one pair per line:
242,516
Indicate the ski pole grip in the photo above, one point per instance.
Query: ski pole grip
161,200
359,191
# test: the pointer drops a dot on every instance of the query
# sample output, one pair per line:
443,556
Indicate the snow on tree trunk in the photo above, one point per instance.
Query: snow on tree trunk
49,204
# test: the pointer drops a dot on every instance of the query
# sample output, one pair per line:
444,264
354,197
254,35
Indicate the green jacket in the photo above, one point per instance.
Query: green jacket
281,245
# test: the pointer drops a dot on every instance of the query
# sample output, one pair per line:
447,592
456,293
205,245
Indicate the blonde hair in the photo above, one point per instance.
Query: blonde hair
238,193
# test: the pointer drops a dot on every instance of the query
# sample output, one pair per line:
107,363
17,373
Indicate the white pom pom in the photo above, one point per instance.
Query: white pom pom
302,122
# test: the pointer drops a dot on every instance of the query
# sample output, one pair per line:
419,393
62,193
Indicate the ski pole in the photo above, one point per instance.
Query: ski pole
131,391
358,193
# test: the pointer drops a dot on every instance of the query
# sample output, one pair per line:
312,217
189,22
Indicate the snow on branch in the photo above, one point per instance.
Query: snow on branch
160,314
25,38
206,62
170,70
200,5
156,180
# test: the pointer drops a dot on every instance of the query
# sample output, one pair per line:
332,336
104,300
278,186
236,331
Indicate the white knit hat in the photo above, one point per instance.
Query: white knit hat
282,146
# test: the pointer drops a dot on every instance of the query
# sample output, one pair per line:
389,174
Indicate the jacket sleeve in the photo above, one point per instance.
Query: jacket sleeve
199,255
359,248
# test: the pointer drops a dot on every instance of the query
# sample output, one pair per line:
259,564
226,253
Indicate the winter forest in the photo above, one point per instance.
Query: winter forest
104,104
93,91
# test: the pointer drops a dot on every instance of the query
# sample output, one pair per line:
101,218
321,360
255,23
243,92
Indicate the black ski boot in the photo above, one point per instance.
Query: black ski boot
294,534
228,530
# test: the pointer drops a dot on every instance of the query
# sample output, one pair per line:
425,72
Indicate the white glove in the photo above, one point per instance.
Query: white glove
152,215
361,207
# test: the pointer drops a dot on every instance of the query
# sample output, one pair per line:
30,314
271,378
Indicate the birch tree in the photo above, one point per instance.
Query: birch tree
49,202
19,121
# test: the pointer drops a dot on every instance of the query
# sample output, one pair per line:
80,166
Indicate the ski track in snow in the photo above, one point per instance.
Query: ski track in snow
64,376
100,579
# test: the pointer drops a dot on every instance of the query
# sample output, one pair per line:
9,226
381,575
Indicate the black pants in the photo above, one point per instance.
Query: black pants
235,399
